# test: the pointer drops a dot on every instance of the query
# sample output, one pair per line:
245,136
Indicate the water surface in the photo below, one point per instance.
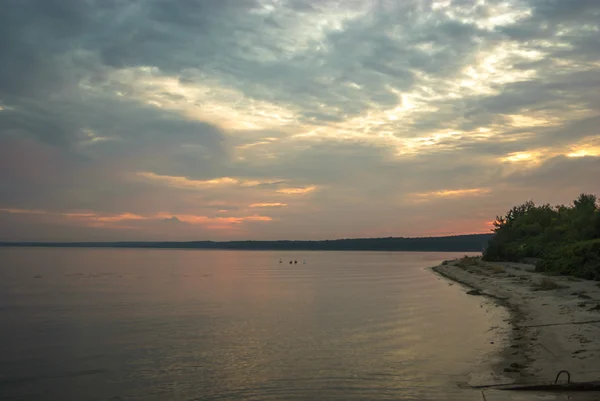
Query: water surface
108,324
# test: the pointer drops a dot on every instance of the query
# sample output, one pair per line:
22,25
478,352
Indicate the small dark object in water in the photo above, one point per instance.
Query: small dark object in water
290,262
474,292
295,261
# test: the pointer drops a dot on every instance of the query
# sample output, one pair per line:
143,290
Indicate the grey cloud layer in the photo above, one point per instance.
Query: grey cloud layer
77,139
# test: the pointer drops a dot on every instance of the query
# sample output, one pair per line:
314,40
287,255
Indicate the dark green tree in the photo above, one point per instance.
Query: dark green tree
564,238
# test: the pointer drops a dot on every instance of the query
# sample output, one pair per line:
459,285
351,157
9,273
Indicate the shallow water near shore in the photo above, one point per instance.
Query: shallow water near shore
108,324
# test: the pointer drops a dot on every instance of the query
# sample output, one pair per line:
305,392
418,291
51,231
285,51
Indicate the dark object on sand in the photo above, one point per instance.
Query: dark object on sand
474,292
551,387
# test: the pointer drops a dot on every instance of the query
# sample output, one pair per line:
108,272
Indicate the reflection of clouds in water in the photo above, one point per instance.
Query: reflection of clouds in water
238,325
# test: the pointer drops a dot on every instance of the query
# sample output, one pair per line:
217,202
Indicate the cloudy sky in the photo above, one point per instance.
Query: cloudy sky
295,119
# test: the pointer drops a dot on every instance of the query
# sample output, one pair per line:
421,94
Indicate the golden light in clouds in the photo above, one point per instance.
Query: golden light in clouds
231,109
193,219
186,183
492,70
585,152
421,100
22,211
83,216
118,217
275,204
386,126
94,219
522,121
453,193
390,126
531,157
535,157
202,100
518,156
296,191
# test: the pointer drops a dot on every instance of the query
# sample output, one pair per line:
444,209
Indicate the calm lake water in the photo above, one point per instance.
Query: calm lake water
105,324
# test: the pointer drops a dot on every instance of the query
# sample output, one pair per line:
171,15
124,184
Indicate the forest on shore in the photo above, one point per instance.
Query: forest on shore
456,243
563,239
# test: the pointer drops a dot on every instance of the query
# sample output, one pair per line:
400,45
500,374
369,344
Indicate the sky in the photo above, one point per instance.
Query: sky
291,119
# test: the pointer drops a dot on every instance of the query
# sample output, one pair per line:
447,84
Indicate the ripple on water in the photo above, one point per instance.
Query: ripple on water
236,326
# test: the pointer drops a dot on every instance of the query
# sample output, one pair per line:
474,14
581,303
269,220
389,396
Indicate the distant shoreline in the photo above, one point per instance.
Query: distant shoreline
456,243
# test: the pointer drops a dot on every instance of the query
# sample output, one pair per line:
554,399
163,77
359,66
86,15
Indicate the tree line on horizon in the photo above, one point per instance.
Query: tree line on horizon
456,243
564,239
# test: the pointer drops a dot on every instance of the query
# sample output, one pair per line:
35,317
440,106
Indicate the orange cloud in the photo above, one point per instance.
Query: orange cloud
186,183
193,219
530,157
112,221
87,218
24,211
585,152
450,193
296,191
115,218
274,204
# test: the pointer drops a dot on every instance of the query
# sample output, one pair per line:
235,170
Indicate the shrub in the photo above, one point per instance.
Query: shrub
468,261
579,259
548,284
497,269
564,239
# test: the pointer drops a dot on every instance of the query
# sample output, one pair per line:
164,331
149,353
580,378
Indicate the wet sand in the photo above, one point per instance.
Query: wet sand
554,321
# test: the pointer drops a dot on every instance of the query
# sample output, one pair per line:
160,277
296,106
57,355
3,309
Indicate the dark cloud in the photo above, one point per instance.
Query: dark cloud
558,22
88,100
559,180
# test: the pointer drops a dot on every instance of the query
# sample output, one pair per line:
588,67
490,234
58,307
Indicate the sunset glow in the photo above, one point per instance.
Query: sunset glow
323,119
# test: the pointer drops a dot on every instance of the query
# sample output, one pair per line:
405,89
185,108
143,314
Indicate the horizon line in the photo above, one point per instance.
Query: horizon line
233,241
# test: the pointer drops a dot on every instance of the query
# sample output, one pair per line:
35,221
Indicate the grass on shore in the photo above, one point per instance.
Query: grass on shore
546,284
468,261
497,269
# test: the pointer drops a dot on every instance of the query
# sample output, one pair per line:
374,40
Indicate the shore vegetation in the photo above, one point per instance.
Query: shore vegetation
563,239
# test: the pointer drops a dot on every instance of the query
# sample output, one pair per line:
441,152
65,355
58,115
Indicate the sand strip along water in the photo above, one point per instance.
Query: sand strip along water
555,320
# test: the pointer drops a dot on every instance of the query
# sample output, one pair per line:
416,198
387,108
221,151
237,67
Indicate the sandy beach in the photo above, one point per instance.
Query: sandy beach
554,321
